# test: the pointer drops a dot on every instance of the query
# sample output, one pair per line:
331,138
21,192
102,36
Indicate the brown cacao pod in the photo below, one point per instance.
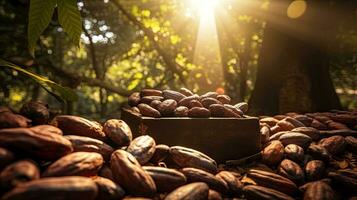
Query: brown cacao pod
233,183
243,106
6,157
272,180
186,157
11,120
135,109
118,131
187,100
155,104
347,118
192,191
209,95
87,144
128,173
214,195
294,152
186,92
319,191
149,99
199,112
318,125
285,125
234,109
264,134
148,111
36,111
46,146
217,110
299,139
74,125
46,128
315,170
76,164
347,179
107,189
335,125
165,179
167,107
60,188
170,94
206,102
142,148
334,144
309,131
306,120
150,92
277,135
319,152
161,152
134,99
195,103
18,173
294,122
342,132
198,175
181,111
280,117
269,120
292,171
224,99
253,192
273,153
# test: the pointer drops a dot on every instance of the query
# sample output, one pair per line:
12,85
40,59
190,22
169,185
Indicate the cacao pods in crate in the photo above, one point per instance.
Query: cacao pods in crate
222,138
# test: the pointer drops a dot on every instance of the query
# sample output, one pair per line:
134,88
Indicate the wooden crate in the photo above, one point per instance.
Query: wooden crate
220,138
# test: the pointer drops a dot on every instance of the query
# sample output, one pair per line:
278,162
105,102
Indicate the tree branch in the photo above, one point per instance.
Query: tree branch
95,82
169,61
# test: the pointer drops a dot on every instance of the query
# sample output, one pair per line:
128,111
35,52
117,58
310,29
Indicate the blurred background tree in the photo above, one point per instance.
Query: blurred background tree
283,58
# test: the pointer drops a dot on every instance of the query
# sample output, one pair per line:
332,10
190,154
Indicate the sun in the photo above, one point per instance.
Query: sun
205,8
206,51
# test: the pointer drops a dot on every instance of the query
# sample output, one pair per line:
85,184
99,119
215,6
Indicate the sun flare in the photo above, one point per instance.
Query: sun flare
207,53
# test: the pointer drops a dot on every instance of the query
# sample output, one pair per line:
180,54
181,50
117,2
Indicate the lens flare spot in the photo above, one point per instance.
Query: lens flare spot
296,9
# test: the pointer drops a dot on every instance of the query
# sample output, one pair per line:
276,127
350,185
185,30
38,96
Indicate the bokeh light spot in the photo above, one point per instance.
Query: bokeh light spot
296,9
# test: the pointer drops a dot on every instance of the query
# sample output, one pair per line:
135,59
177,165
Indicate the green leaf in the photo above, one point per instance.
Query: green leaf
70,19
40,16
60,92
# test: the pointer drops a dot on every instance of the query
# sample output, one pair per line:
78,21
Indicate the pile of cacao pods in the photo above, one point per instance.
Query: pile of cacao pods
184,103
309,156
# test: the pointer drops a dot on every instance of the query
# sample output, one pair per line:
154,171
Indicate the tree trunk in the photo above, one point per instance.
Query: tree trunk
293,69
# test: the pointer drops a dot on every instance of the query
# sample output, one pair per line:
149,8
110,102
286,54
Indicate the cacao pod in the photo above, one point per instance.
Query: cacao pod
198,175
272,180
130,175
142,148
76,164
59,188
118,131
273,153
315,170
87,144
18,173
47,146
186,157
165,179
192,191
148,111
74,125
